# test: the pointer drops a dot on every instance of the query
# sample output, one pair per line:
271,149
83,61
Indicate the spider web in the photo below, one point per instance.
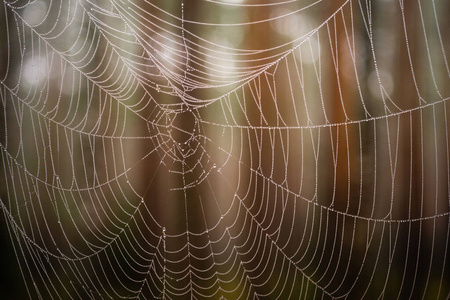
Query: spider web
226,149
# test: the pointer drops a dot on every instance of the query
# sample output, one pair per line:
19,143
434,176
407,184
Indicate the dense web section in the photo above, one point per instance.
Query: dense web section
226,149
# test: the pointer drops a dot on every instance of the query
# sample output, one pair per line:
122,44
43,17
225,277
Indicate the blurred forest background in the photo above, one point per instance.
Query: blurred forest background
310,136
